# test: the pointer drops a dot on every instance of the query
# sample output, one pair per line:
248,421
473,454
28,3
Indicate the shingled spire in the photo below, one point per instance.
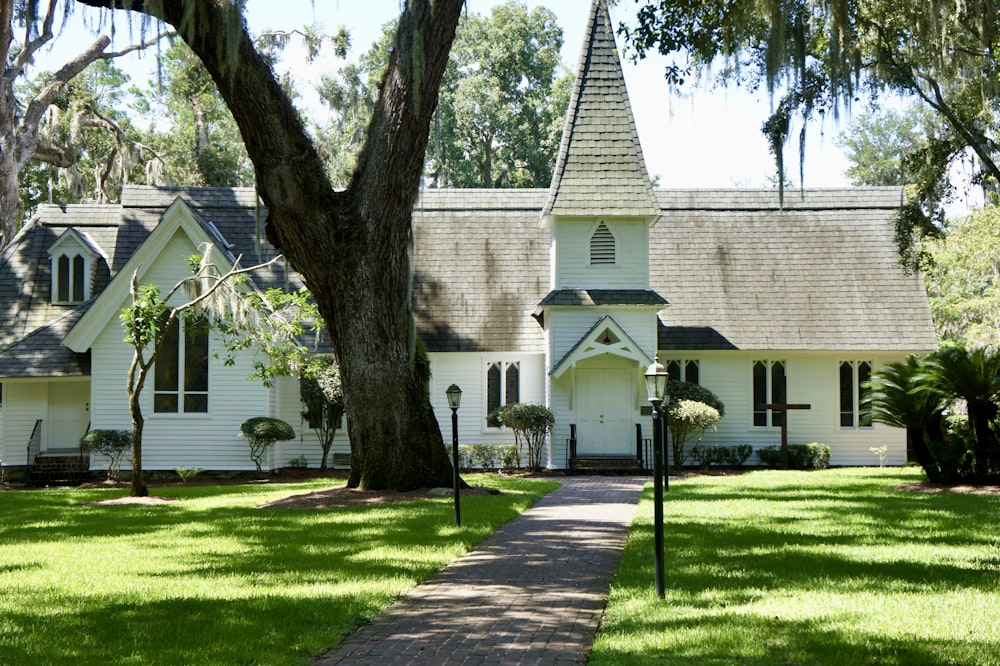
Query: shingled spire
600,169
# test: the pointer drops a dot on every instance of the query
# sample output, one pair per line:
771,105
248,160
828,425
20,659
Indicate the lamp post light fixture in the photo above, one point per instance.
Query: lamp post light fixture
656,390
454,394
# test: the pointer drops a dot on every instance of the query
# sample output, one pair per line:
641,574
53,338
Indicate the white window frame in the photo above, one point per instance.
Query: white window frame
769,392
181,392
860,420
683,366
504,366
71,255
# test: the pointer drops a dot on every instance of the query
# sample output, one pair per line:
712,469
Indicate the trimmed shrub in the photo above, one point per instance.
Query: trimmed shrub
489,456
530,424
692,410
731,456
261,432
800,456
112,444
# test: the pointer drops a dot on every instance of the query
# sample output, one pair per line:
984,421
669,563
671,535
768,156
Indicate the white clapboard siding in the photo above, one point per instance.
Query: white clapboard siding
24,403
812,378
572,250
468,371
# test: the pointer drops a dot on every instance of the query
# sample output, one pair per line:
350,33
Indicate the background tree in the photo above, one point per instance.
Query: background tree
816,58
190,126
351,246
963,280
87,146
23,109
260,432
501,108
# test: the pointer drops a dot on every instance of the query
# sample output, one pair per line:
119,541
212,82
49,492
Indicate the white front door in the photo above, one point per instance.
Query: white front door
605,411
69,415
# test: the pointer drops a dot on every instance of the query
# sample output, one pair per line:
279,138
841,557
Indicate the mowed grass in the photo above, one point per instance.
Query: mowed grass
211,579
833,567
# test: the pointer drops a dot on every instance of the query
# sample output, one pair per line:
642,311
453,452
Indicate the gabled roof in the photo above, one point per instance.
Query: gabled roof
600,169
32,328
605,338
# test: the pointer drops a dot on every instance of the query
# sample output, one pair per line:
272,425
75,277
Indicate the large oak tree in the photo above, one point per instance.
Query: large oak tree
353,246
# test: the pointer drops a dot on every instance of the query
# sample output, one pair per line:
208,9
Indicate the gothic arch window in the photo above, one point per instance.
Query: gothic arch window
70,278
602,246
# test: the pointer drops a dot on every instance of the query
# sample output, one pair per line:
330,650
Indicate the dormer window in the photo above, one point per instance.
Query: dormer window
602,246
73,258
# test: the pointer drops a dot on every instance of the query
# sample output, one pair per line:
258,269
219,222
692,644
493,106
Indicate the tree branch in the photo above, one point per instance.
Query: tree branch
138,47
31,46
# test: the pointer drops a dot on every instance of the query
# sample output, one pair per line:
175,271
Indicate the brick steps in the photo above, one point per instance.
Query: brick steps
609,465
56,470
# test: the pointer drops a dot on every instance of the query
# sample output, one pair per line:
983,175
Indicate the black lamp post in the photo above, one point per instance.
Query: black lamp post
454,400
656,389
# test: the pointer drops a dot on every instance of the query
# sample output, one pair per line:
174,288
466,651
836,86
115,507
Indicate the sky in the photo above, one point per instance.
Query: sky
708,139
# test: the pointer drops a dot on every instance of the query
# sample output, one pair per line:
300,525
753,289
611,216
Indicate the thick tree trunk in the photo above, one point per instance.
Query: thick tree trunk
352,247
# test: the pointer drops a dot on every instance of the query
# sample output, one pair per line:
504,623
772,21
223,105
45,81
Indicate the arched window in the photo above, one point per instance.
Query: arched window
602,246
70,279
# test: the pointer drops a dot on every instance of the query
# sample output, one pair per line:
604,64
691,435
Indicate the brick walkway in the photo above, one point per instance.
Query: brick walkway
533,593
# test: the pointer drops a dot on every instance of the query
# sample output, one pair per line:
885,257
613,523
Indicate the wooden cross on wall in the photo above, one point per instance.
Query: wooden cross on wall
784,408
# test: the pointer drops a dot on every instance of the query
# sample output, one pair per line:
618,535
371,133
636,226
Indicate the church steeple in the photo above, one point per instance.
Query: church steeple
600,169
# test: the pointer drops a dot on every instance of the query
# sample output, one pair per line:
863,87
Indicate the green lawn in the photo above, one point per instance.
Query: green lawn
213,580
832,567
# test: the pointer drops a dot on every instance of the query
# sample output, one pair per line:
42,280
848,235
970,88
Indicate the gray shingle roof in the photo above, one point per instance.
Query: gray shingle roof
31,327
739,273
479,269
600,169
821,274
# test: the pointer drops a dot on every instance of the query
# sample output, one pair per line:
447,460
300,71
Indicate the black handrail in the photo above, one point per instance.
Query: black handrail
34,444
571,446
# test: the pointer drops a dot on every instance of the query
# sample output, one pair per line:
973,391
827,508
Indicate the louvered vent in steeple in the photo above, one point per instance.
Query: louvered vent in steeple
602,247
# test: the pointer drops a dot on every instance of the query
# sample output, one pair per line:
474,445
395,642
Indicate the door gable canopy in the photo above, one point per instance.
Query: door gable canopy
606,337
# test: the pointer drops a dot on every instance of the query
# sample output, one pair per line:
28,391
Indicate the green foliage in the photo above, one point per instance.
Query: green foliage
819,57
190,126
142,319
501,106
489,456
530,423
262,431
730,456
963,279
800,456
188,474
973,375
692,410
112,444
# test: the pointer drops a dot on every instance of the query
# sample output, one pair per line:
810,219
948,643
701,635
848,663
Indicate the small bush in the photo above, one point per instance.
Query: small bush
262,431
800,456
489,456
530,423
112,444
188,474
731,456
